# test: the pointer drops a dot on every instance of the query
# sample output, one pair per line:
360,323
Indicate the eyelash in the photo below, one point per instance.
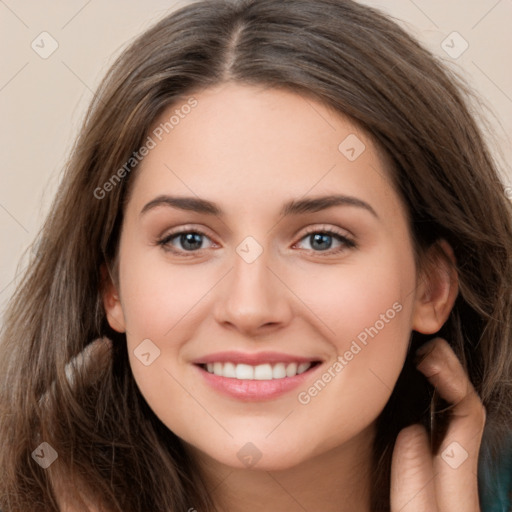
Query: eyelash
347,243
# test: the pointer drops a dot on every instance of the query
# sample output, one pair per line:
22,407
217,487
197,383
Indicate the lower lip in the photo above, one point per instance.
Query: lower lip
251,390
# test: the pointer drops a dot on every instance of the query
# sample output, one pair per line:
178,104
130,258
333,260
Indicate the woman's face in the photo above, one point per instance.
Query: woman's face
270,277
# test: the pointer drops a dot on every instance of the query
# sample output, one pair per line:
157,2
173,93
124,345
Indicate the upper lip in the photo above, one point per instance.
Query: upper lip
253,359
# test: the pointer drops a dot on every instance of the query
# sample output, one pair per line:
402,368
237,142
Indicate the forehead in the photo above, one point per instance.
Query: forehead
246,143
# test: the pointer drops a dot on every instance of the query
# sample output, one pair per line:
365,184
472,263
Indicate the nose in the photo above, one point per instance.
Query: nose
254,298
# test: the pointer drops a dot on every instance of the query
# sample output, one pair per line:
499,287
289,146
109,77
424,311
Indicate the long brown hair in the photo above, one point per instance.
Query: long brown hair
351,57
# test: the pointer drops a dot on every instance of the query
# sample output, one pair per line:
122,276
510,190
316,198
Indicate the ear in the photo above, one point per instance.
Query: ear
111,302
437,289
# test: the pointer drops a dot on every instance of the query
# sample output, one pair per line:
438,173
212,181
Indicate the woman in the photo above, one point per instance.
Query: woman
250,372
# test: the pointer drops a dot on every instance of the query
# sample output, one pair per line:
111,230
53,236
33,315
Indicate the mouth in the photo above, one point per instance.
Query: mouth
265,371
253,383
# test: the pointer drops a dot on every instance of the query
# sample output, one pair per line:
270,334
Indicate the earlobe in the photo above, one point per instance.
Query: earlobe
111,301
437,289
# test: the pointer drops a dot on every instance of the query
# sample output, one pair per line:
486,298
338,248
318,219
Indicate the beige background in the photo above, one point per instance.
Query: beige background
43,100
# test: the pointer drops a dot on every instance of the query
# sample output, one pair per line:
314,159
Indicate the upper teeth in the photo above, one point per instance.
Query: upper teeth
260,372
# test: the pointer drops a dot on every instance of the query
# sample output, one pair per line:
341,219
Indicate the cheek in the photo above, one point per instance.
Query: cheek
161,303
367,292
158,296
366,310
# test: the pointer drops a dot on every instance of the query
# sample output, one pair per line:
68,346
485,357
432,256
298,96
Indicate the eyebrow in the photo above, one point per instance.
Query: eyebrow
294,207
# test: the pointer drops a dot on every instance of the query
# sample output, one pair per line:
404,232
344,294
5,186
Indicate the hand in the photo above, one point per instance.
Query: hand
421,481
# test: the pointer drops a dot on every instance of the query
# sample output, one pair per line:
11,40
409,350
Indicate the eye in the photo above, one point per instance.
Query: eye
321,240
190,241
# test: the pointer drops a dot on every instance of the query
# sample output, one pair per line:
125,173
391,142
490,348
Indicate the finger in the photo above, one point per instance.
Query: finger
91,362
456,464
412,474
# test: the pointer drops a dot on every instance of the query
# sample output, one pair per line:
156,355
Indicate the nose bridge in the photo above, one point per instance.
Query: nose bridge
252,297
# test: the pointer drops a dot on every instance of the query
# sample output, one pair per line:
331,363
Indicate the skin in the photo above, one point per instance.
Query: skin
239,143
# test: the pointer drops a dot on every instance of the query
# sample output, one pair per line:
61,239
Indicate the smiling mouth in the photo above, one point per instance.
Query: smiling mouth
265,371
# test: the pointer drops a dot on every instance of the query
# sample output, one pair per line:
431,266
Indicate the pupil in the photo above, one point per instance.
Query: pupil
188,240
317,238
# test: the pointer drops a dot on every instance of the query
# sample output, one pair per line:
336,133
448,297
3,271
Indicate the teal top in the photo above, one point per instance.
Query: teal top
495,479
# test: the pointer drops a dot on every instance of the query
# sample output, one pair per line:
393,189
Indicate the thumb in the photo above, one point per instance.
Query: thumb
412,474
